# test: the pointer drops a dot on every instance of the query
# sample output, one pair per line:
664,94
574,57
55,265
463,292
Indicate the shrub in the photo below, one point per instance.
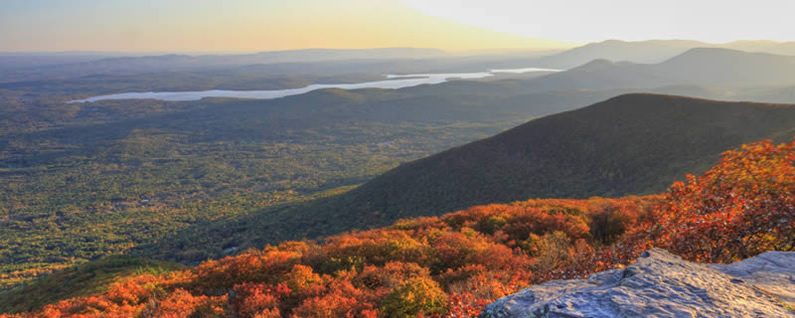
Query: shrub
419,295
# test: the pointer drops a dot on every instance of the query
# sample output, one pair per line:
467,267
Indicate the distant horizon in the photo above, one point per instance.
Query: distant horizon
282,50
453,52
238,26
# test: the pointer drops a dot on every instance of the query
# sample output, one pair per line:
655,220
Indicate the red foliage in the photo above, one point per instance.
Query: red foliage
180,303
343,300
253,300
740,208
266,266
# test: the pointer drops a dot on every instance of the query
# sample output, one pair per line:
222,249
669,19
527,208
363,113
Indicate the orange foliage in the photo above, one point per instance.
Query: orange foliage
740,208
179,303
343,300
455,264
256,300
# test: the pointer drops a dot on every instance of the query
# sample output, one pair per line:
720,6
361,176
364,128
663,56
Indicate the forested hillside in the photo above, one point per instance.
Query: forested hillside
455,264
629,144
632,144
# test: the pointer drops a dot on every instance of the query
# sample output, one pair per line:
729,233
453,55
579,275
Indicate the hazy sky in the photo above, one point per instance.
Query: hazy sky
254,25
595,20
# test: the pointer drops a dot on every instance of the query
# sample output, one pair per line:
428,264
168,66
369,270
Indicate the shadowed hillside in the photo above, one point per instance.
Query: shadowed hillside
631,144
628,144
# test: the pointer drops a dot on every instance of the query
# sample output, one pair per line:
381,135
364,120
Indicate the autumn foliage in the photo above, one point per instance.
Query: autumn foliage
742,207
455,264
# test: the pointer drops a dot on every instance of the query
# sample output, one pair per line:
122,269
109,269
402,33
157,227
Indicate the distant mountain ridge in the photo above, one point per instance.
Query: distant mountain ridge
652,51
121,65
730,66
615,50
710,67
347,61
291,56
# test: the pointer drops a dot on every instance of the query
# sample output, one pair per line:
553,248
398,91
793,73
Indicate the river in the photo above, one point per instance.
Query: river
391,82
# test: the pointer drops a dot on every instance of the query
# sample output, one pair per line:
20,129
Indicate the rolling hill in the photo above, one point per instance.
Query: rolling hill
631,144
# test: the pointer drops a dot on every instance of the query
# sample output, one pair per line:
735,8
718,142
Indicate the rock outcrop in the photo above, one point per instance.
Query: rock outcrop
661,284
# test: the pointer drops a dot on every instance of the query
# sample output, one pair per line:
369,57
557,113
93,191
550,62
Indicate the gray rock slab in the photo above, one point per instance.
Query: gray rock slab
661,284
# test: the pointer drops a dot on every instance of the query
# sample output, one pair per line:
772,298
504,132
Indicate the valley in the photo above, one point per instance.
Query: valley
297,182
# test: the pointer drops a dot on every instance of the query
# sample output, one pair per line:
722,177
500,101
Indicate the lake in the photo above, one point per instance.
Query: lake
391,82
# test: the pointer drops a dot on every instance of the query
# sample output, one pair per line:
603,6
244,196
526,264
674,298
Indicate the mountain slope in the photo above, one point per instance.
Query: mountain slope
631,144
628,144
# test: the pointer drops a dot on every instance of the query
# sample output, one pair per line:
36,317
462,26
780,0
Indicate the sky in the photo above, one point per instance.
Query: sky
262,25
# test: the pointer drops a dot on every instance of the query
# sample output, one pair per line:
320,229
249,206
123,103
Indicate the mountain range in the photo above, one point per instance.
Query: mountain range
653,51
709,67
28,67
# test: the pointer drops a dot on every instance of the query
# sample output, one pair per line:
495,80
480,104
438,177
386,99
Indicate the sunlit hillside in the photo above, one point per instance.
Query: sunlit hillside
455,264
